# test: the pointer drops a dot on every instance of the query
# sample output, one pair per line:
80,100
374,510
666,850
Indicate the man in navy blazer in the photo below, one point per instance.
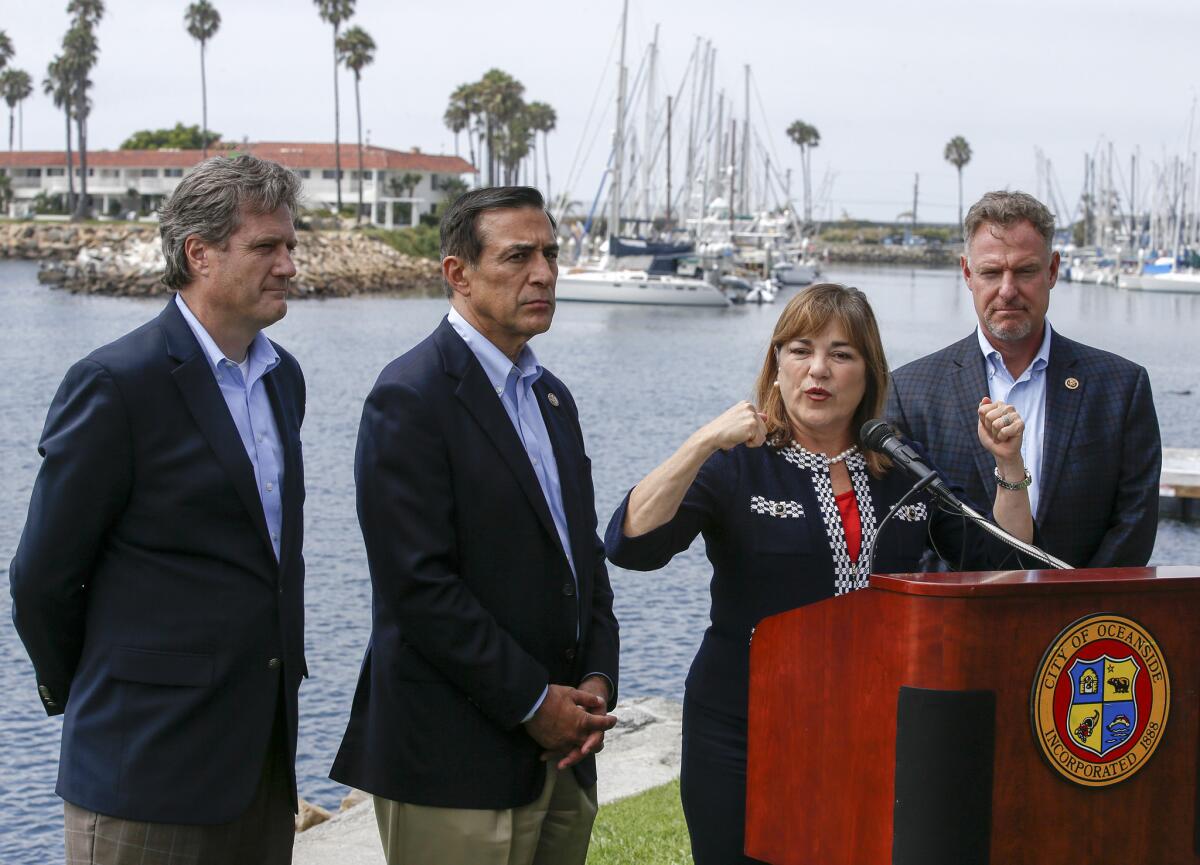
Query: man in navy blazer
158,582
1091,446
493,650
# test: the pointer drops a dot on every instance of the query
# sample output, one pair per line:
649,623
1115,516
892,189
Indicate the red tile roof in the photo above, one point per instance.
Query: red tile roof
293,155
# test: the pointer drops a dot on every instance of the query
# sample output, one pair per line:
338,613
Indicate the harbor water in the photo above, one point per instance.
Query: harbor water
644,378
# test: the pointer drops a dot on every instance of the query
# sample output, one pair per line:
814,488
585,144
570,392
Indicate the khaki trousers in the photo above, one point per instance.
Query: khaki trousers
552,830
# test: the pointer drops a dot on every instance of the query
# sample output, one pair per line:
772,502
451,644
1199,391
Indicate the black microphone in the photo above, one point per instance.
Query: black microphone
879,436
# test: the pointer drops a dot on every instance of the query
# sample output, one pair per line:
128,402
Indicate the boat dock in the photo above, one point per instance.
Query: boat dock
1179,484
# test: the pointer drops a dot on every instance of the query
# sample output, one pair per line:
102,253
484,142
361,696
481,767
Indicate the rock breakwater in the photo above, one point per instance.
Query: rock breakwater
126,260
877,253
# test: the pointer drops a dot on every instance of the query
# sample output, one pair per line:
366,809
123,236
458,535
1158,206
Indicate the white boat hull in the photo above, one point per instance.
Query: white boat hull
1180,282
622,286
795,274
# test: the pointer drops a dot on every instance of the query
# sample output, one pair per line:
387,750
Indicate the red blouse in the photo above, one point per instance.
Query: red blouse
848,506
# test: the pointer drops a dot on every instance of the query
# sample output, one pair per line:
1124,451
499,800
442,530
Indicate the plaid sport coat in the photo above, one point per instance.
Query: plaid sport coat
1101,453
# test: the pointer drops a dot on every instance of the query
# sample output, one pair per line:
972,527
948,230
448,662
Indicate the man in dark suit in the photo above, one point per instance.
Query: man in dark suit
1091,446
493,651
158,582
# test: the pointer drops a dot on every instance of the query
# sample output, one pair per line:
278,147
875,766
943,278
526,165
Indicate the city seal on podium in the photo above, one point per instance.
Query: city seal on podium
1100,700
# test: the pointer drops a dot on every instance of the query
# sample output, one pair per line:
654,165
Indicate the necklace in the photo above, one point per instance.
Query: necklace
828,461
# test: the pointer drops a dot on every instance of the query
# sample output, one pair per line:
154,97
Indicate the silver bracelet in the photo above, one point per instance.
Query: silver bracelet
1009,485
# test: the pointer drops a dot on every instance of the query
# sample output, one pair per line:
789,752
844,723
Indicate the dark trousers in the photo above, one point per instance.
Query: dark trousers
712,785
263,835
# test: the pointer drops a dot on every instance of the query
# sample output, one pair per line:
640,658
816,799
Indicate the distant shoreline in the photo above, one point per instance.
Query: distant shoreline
125,260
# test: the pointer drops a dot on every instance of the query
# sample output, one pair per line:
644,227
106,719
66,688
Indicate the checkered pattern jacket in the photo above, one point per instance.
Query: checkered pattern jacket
1101,453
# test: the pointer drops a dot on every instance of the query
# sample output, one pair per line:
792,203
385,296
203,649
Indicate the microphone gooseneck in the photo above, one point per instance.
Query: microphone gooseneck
879,436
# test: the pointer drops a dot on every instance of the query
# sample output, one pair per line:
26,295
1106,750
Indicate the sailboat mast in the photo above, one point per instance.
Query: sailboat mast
667,218
709,161
614,219
648,160
745,178
697,81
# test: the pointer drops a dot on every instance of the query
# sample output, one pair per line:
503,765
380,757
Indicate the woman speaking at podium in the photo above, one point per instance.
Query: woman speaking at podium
788,503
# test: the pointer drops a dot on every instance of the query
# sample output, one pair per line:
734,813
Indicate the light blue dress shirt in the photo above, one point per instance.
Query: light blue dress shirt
513,384
1027,394
245,393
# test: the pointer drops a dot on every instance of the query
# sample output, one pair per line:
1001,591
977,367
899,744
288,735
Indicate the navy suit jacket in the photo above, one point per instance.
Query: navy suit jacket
145,587
1101,454
474,609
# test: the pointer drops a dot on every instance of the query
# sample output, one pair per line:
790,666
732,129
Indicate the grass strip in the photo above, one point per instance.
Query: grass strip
646,829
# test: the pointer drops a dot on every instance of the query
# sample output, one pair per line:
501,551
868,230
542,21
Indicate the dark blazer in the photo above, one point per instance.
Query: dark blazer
1101,455
145,587
768,540
474,609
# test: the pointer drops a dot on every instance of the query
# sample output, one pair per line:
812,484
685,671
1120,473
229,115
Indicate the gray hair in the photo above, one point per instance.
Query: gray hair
1005,209
459,230
209,203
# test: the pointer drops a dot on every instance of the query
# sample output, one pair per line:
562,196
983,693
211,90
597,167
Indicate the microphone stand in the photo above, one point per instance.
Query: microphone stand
972,515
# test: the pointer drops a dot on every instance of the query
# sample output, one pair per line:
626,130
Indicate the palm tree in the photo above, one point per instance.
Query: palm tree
356,50
335,12
406,182
958,154
15,87
463,113
514,140
79,51
806,137
202,21
6,49
57,85
500,99
541,118
456,118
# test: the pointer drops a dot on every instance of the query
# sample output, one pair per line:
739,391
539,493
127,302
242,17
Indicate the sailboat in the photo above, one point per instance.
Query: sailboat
609,282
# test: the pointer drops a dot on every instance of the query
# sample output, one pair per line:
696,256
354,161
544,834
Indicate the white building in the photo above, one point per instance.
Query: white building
120,180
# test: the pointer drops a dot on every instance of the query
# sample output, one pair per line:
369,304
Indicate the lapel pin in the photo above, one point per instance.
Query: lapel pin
1072,384
553,400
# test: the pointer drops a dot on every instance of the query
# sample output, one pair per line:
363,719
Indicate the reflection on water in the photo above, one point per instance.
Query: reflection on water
644,378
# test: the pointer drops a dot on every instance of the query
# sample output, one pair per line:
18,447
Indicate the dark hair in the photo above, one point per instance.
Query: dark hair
209,202
1005,209
459,232
806,315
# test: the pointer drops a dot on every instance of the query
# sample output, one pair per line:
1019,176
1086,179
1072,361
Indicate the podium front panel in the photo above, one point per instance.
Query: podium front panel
825,687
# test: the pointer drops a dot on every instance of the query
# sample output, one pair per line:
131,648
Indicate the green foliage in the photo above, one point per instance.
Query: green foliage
6,192
49,204
201,20
420,241
15,86
334,11
6,49
493,110
803,135
356,49
957,152
646,829
404,185
181,138
859,231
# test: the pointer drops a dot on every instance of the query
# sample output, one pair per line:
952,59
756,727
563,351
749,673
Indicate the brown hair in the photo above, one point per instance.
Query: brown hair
211,200
806,315
1005,209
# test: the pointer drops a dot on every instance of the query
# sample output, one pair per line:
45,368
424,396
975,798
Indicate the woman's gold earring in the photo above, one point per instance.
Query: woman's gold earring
776,382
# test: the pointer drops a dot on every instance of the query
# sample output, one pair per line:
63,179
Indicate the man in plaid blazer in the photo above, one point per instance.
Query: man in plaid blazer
1092,450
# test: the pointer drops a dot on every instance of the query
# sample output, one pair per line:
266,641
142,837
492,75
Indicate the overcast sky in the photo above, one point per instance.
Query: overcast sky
886,83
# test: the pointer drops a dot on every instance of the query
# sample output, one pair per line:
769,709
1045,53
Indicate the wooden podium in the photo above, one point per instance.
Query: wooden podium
896,724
